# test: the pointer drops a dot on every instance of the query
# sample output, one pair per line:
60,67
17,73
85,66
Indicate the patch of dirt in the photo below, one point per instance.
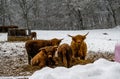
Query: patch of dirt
18,66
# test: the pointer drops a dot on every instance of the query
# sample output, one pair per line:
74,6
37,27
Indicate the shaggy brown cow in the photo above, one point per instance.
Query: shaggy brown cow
45,56
50,51
65,54
33,35
79,47
39,59
33,46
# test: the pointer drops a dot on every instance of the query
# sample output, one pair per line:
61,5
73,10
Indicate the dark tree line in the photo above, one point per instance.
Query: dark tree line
60,14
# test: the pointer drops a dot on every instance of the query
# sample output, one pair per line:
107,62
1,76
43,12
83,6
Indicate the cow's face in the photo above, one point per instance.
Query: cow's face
56,42
50,50
78,38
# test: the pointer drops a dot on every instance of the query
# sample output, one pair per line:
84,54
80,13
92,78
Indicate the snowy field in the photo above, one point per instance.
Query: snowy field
100,40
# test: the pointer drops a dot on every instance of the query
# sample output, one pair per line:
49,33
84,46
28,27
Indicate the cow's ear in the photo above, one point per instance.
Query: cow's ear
61,39
73,38
43,48
40,49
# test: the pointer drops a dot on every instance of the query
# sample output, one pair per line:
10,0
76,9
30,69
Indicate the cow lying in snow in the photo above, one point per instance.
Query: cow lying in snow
50,50
46,54
65,54
33,46
79,47
39,59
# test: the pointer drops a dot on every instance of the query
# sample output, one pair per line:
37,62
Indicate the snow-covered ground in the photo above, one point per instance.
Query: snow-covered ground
100,69
100,40
97,40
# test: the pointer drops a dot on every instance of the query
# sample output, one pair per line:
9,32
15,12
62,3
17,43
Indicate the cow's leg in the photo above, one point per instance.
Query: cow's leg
29,60
65,61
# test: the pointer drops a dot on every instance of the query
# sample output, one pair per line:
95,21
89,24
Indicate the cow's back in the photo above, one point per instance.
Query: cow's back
33,46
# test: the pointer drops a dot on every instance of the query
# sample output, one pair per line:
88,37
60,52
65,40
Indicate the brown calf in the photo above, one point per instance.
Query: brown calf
65,54
50,51
39,59
33,46
45,56
79,46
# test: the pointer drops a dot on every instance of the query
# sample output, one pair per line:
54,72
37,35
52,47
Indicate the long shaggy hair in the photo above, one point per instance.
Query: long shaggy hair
39,59
33,46
65,54
79,46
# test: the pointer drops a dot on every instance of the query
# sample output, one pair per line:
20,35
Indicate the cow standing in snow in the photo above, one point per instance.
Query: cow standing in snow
79,46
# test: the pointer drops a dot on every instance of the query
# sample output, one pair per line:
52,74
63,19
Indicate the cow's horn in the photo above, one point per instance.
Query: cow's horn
86,34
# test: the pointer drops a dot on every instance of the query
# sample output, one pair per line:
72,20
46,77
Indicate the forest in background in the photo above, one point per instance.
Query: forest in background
60,14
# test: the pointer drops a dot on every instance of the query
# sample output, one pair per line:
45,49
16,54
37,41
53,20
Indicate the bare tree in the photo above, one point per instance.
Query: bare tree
78,15
60,14
26,6
36,13
2,9
75,8
112,11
